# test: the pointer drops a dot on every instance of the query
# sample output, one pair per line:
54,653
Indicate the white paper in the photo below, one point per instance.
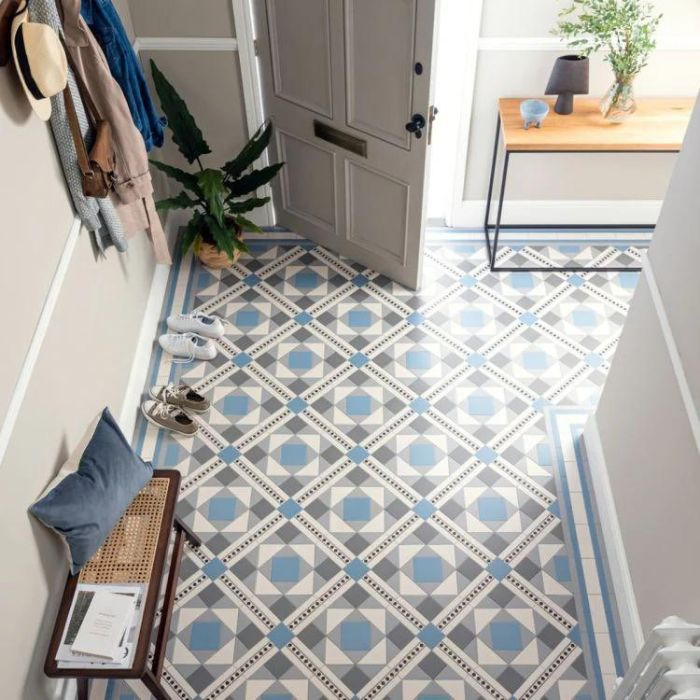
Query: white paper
104,625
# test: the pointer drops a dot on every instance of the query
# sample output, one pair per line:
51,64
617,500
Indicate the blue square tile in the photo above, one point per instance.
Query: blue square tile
297,405
562,572
427,569
535,359
359,319
506,636
499,569
359,280
594,360
471,318
418,359
358,405
247,318
242,359
355,636
214,568
303,318
293,455
358,454
359,360
481,406
415,319
306,279
492,509
289,508
285,569
420,405
522,280
576,281
476,360
431,636
529,319
540,404
486,454
280,636
300,359
628,280
229,454
468,280
422,455
205,636
236,405
356,569
424,508
584,318
222,508
251,280
356,509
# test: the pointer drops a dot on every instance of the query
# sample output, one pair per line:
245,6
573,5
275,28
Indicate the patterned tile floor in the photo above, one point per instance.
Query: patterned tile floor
382,510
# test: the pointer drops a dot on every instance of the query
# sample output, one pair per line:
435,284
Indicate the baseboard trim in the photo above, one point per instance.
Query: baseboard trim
37,340
555,212
147,332
630,622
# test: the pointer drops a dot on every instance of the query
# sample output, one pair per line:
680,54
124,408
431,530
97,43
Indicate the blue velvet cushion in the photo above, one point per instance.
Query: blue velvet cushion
86,505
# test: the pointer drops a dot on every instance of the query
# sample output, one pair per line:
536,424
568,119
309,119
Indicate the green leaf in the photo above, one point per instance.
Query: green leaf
186,134
247,205
189,180
212,185
250,182
250,152
181,201
192,230
247,224
223,237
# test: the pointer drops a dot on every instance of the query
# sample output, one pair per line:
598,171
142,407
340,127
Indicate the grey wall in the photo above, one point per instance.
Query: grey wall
648,414
516,73
84,365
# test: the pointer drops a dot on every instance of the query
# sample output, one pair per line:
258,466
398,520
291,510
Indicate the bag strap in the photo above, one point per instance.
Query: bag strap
80,149
92,112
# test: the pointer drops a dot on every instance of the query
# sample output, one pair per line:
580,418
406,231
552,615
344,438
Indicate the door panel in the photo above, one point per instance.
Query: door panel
353,61
301,53
308,181
377,211
379,41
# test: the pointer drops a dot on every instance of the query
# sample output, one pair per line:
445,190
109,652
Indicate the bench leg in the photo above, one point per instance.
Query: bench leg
83,688
189,535
154,686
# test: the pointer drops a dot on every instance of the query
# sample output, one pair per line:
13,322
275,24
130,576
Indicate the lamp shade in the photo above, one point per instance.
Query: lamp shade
569,77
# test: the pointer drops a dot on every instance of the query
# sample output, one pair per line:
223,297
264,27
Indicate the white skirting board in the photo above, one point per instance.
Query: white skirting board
147,333
556,212
612,539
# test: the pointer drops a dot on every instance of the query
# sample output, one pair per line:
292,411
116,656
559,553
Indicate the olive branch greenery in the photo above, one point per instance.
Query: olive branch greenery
217,196
623,29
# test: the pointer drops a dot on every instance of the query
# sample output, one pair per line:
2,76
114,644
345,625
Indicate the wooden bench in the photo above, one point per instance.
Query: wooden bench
135,552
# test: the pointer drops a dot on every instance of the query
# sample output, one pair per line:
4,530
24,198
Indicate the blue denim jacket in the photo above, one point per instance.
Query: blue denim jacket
104,21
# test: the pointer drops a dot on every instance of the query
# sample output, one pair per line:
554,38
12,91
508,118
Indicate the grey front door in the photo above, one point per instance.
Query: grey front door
342,79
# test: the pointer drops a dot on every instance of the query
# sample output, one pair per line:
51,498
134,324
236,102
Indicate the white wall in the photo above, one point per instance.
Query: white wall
647,421
510,54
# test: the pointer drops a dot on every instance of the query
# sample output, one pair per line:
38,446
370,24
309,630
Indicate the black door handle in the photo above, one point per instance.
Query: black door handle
416,125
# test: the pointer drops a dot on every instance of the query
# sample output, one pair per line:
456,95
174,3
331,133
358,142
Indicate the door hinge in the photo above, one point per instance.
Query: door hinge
432,113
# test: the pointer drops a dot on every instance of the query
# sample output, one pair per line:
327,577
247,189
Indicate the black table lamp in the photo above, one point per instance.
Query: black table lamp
569,77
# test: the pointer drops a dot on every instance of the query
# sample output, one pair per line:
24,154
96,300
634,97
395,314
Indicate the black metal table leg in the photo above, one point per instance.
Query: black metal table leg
494,158
499,210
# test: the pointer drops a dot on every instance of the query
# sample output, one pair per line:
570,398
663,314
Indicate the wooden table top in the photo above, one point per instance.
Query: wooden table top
659,124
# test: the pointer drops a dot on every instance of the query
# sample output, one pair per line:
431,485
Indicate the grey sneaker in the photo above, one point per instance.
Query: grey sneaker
182,396
188,346
169,417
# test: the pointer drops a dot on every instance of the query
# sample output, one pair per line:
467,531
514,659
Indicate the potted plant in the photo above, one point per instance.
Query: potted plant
218,197
625,30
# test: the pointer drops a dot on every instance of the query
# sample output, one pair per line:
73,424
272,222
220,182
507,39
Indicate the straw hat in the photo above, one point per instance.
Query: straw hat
40,60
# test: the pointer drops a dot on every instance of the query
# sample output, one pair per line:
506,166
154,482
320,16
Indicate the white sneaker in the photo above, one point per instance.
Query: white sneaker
188,346
202,324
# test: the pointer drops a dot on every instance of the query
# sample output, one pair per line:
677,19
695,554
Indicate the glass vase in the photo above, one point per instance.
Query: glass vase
619,104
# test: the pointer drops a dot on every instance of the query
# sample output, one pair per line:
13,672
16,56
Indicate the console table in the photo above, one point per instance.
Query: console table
136,551
658,126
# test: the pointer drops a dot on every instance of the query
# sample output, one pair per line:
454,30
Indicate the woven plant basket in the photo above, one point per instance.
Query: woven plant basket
214,258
